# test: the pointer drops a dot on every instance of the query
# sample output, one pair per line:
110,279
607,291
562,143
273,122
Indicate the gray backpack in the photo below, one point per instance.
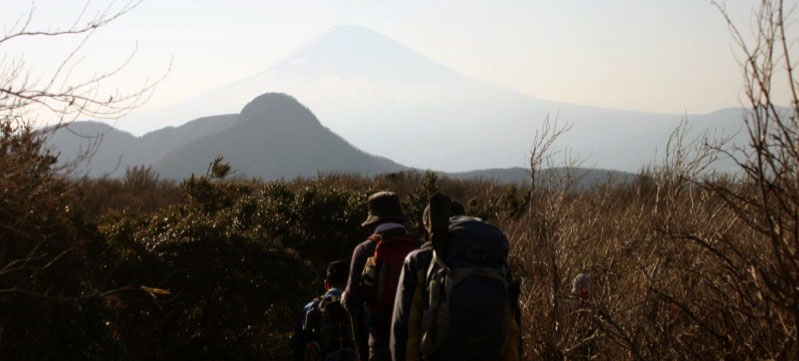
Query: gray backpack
330,327
468,292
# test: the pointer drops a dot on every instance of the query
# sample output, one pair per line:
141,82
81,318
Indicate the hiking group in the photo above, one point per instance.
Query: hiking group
446,296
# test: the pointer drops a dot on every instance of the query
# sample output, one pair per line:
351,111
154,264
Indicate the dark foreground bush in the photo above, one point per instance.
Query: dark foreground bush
682,267
51,310
213,269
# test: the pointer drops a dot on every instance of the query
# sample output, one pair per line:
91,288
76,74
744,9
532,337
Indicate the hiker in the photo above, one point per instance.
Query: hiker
481,321
324,331
374,273
409,298
580,319
581,287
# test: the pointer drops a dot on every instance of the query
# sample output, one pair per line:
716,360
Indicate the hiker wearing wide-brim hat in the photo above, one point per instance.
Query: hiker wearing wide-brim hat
383,207
393,242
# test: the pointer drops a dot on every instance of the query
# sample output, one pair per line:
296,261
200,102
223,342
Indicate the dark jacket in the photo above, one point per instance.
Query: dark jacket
353,299
406,323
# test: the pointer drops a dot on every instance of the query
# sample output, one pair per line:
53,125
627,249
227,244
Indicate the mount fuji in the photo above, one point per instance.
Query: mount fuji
391,101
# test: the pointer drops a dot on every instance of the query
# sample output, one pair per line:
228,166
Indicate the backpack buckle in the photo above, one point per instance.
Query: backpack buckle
477,254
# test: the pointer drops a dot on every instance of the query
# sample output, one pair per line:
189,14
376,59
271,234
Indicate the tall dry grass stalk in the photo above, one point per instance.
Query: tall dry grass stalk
686,263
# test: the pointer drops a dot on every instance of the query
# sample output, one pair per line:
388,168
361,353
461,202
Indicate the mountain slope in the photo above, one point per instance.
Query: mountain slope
169,139
94,149
275,137
112,150
363,83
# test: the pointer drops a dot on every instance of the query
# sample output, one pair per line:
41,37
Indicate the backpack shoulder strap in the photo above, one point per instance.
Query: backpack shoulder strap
436,265
317,301
436,318
312,316
324,301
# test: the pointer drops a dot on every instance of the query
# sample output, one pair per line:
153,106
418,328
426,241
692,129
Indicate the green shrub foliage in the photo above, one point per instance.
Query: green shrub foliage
218,269
51,309
146,269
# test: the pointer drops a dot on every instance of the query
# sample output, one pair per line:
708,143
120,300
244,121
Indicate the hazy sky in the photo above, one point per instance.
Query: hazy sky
670,56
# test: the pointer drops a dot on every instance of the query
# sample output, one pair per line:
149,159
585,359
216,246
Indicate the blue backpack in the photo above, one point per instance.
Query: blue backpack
468,292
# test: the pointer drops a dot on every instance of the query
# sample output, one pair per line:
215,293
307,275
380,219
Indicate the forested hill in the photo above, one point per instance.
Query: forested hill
273,137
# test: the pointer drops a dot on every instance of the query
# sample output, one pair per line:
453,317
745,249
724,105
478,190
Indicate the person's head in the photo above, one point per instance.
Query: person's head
383,207
337,274
581,286
455,209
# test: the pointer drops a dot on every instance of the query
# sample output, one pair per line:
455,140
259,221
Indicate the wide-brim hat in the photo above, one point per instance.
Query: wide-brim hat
383,207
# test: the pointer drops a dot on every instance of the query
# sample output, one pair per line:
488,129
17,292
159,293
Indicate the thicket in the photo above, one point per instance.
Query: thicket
218,269
140,268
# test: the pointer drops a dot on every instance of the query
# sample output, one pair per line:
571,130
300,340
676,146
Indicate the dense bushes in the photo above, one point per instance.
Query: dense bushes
217,269
43,247
141,268
683,266
219,293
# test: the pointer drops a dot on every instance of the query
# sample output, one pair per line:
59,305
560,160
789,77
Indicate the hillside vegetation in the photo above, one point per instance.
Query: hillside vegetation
145,269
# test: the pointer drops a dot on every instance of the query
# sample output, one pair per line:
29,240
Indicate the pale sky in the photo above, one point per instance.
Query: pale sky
672,56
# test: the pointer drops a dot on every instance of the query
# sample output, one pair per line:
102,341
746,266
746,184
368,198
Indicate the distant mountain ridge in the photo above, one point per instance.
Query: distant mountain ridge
584,177
276,137
273,137
361,83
